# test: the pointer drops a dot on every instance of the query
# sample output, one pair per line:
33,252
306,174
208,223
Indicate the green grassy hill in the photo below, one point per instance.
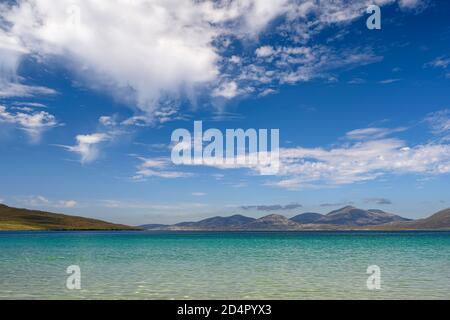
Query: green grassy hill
24,219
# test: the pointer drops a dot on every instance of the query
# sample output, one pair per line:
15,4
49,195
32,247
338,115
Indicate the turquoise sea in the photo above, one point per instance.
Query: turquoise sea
144,265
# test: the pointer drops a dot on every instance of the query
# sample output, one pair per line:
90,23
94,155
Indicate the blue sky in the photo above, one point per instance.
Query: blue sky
90,93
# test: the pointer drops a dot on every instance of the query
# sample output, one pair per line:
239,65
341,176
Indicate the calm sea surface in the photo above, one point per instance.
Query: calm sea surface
135,265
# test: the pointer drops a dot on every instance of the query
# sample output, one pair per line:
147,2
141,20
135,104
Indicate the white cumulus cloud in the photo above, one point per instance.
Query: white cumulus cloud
34,123
151,52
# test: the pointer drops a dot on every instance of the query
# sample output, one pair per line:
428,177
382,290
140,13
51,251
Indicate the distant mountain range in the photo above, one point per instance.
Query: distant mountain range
347,218
24,219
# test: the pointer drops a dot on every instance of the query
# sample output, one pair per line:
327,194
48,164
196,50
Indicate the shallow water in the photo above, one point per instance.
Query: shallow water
140,265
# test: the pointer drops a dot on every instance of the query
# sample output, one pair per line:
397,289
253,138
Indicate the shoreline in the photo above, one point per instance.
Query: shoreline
228,231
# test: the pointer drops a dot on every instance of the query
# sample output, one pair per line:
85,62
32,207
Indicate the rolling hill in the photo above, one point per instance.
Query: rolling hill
24,219
272,222
438,221
215,223
353,217
307,218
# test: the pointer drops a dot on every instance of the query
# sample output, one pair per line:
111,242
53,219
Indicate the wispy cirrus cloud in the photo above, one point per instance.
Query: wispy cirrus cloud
11,52
337,204
43,202
363,155
159,168
157,212
440,62
274,66
413,4
9,90
87,146
360,162
372,133
30,105
439,122
389,81
133,204
275,207
378,201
